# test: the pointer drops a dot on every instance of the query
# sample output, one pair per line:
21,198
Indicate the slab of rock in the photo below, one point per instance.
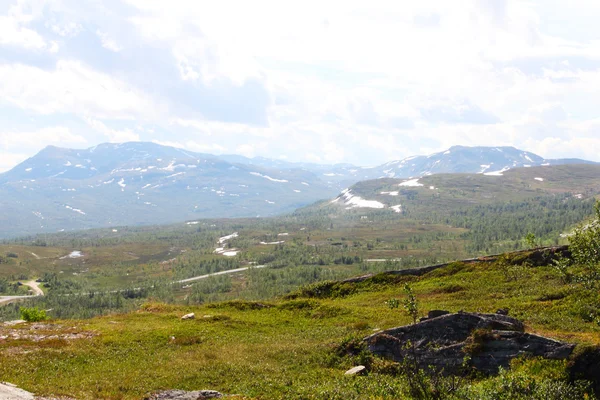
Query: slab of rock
356,370
189,316
183,395
8,391
491,340
15,322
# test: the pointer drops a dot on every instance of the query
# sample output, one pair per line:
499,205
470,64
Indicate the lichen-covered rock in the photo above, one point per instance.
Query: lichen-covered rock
490,340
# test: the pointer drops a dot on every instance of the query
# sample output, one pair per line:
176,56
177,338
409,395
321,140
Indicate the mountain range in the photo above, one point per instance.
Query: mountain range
145,183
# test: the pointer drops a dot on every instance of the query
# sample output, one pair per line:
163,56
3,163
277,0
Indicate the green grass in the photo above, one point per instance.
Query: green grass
281,348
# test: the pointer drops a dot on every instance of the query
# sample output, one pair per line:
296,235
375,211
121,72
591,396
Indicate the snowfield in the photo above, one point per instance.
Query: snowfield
411,182
353,201
497,173
226,238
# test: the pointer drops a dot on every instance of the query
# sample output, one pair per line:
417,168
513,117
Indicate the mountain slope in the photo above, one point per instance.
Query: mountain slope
445,192
143,183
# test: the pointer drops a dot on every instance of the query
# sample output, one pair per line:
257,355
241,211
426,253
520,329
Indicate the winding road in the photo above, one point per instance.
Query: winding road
35,287
229,271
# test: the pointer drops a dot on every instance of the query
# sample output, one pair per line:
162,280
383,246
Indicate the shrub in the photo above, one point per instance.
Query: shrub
411,305
33,314
585,249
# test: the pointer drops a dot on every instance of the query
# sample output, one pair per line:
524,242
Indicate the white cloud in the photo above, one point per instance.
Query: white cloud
108,42
39,138
68,30
12,33
113,135
345,80
71,87
8,160
191,145
17,146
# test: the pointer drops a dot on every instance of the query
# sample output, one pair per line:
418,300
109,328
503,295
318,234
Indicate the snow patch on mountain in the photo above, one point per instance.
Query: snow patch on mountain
77,210
484,167
497,173
226,238
268,177
73,254
397,208
411,182
353,201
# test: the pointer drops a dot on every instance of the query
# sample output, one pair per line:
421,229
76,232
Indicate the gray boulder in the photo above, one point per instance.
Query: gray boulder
490,340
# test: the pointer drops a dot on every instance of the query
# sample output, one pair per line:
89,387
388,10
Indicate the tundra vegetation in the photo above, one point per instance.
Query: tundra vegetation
117,332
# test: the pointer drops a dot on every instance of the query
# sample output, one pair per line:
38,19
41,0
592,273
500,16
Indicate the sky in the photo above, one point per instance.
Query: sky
363,82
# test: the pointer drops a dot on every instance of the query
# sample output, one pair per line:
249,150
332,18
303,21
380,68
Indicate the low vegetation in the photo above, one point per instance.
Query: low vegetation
295,324
301,345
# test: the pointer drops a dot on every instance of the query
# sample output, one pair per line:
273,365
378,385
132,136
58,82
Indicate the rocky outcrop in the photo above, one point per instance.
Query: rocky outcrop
536,257
442,342
183,395
9,391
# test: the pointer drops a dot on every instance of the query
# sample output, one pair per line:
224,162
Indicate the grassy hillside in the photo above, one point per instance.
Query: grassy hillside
298,346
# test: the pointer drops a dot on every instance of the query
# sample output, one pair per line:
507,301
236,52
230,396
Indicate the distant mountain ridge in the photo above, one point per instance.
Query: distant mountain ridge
463,159
146,183
457,159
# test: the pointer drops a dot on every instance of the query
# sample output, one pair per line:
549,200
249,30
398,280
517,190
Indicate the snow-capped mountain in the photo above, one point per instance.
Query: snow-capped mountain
462,159
457,159
146,183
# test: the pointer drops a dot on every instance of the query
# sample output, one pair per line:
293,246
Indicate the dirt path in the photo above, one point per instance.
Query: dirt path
35,286
35,255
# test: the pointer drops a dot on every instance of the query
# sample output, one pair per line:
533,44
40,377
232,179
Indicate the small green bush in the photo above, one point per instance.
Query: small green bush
33,314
